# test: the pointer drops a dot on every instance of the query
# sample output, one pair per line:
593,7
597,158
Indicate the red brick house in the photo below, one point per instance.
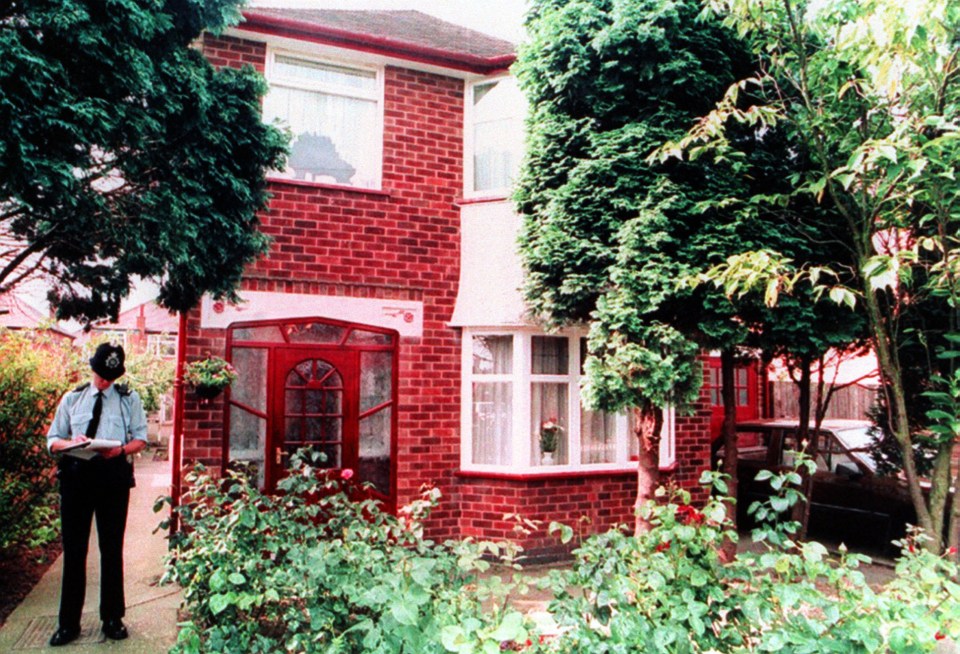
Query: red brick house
385,326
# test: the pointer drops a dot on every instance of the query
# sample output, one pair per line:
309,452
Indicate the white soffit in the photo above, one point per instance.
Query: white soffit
405,316
490,271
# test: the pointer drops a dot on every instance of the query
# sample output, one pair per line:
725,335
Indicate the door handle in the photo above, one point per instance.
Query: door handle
279,456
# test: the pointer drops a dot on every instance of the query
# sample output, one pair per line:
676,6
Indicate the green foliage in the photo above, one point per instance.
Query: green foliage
668,590
312,570
125,153
611,231
212,372
31,384
868,95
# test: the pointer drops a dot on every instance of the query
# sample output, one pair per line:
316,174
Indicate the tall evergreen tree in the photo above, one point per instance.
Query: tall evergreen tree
125,154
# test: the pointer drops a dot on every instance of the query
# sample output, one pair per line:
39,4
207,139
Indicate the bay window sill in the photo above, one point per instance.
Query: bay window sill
558,473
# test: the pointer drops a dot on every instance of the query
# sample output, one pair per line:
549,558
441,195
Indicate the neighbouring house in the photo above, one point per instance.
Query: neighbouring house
145,327
385,326
17,314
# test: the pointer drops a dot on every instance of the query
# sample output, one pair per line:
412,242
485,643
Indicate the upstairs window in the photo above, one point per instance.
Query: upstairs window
494,134
334,114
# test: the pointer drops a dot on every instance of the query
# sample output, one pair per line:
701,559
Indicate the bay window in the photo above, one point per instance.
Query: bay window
334,113
517,383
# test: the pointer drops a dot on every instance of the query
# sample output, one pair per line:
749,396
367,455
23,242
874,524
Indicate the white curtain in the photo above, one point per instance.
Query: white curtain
349,123
492,422
492,399
598,437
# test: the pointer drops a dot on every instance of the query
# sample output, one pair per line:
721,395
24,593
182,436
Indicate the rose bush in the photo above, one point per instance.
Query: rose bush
668,590
310,570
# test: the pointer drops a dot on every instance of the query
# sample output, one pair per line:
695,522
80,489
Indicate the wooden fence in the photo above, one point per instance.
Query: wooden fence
848,402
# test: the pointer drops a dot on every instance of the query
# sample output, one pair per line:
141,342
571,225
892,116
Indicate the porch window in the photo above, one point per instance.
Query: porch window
514,383
495,112
334,113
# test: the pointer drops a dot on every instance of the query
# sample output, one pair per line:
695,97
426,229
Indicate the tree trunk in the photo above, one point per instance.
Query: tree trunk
896,403
801,510
728,394
648,423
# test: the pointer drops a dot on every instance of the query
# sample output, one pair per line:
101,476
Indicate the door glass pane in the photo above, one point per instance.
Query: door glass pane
374,464
492,355
294,402
263,334
492,420
313,410
250,387
248,439
548,403
549,355
376,379
315,332
362,337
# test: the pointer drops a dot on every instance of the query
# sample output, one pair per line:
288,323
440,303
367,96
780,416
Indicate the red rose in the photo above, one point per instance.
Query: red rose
346,473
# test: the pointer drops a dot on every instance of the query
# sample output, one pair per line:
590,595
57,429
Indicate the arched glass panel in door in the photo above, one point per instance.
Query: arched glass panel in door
313,410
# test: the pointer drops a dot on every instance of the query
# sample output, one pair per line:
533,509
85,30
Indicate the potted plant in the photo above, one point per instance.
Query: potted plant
550,432
208,377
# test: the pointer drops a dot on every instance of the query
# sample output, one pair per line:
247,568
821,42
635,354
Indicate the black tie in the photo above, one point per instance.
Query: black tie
95,420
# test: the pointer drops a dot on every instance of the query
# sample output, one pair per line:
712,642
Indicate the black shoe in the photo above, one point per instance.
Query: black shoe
114,629
63,636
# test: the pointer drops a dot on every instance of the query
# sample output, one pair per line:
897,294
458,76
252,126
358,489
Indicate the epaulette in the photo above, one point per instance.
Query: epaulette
81,388
123,389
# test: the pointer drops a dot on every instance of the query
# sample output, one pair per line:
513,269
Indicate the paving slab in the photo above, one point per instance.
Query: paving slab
151,609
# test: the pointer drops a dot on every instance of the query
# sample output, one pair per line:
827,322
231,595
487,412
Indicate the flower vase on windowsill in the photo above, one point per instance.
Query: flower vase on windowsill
550,432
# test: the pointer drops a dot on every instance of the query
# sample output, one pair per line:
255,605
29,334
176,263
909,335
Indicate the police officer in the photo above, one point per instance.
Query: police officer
95,483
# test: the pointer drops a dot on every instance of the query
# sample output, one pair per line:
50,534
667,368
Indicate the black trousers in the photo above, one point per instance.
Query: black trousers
97,488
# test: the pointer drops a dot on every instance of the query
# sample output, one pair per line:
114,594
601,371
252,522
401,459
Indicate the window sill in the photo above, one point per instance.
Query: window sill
328,187
568,473
483,199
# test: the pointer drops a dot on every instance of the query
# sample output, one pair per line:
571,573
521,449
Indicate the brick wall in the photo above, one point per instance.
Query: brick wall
401,243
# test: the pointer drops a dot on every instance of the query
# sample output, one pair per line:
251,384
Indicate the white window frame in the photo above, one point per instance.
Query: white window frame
469,142
520,438
273,78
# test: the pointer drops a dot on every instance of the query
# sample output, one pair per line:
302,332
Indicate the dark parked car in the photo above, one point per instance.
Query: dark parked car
849,502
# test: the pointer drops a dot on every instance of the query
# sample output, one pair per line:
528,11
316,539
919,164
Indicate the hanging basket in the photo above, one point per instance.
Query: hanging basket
207,392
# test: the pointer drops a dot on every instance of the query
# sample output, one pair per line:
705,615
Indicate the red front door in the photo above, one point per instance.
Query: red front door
314,404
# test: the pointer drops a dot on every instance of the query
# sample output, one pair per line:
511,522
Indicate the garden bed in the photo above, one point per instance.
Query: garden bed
20,570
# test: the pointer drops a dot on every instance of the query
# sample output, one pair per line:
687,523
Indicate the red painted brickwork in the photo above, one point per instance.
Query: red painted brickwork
403,243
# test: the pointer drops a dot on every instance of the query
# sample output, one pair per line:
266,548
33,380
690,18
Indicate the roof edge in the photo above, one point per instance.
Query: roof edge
264,24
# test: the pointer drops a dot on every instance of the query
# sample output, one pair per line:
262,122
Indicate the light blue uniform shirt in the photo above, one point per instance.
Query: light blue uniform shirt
121,419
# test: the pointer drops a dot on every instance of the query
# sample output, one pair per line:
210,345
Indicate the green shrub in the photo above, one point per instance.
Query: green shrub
312,570
32,380
669,591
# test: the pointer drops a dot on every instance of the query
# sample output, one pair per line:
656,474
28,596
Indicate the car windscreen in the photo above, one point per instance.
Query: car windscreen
858,441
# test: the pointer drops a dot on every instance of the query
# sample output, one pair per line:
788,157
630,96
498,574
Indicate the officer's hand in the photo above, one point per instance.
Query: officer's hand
112,452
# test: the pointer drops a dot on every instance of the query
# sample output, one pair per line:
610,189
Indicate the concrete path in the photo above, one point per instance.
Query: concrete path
151,609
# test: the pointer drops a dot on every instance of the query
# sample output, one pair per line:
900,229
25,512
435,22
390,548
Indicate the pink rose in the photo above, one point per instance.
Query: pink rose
346,473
